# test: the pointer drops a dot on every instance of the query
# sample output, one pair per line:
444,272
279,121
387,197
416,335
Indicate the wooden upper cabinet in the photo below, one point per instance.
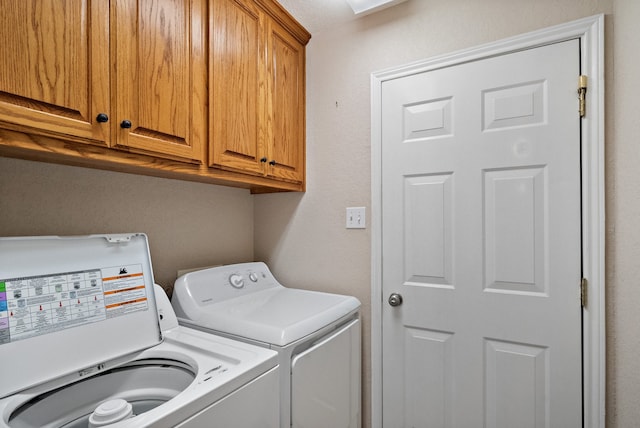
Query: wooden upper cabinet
286,105
54,73
237,90
207,90
142,62
257,90
159,77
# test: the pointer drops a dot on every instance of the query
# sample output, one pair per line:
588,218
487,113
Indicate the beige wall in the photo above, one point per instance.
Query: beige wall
303,236
188,224
623,225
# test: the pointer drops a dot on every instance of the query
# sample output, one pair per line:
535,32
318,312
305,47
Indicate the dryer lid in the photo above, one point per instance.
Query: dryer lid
68,304
246,300
277,316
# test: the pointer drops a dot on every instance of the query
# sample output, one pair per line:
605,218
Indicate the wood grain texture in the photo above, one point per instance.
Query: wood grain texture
284,18
237,92
52,77
286,102
159,76
45,149
257,96
181,71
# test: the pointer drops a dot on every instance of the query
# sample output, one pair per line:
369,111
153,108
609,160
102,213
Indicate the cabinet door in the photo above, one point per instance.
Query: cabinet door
160,77
54,73
238,87
286,103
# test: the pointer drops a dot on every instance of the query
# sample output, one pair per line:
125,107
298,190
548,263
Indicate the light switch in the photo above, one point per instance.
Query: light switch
356,218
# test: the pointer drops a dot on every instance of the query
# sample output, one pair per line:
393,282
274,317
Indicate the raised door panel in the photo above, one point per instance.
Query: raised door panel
54,74
238,89
160,77
286,117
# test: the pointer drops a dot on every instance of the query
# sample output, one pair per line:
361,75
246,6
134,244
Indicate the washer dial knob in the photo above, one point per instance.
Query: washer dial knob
236,280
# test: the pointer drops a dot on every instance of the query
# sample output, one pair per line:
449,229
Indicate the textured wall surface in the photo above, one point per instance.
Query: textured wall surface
623,215
188,224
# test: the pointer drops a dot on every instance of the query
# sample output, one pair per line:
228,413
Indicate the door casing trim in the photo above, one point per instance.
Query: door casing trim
590,31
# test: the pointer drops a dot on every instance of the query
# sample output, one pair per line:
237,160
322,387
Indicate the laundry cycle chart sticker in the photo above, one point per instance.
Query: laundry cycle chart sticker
36,305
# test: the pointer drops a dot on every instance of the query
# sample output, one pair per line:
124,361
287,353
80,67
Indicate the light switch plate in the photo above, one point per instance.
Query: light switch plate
356,218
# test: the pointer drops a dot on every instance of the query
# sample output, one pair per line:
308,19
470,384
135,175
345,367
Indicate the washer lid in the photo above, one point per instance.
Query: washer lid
277,316
69,304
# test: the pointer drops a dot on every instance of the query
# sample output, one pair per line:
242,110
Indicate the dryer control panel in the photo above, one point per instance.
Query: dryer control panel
220,283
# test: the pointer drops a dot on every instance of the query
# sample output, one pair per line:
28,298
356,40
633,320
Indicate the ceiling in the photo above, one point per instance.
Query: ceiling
317,15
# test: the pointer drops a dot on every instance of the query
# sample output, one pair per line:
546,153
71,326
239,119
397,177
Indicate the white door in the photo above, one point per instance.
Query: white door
481,238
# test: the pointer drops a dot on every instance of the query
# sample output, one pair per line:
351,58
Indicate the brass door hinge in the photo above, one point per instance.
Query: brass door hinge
584,288
582,95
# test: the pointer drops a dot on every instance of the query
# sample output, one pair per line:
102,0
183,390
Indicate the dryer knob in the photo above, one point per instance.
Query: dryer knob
236,280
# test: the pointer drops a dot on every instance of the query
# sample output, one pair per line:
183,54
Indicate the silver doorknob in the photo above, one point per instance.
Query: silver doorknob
395,299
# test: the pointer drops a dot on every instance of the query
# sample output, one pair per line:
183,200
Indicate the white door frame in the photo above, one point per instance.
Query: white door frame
590,31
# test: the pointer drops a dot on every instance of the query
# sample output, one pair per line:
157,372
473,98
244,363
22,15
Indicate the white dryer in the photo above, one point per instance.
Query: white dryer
83,343
317,336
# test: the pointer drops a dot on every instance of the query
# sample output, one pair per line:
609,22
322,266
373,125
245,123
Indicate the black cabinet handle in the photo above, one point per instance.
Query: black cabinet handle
102,118
272,163
125,124
263,160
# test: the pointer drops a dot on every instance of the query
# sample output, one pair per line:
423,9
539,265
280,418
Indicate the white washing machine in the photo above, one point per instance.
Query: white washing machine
83,343
317,336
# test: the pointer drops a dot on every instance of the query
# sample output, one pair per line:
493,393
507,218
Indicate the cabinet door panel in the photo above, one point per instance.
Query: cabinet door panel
237,96
54,74
287,105
160,73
